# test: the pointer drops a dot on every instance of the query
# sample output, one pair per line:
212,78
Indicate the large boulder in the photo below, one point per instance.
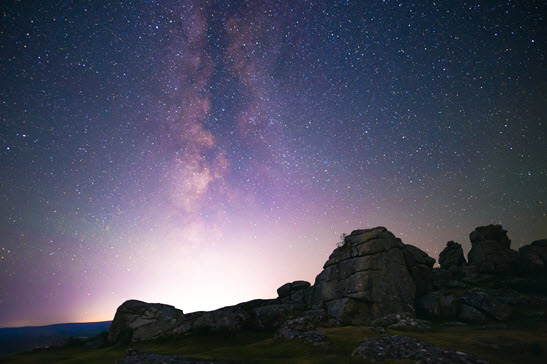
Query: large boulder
420,266
452,256
491,251
139,321
295,293
365,278
304,328
533,257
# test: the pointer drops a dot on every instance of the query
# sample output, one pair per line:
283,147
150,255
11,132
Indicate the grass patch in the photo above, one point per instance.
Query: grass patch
510,345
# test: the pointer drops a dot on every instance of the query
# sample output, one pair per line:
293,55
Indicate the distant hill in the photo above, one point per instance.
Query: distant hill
18,339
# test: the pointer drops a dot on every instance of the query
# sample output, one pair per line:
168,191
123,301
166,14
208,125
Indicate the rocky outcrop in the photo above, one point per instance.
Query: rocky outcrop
491,251
372,278
137,320
304,328
487,304
420,266
533,257
253,314
226,319
452,257
403,347
295,293
438,304
475,305
365,278
400,321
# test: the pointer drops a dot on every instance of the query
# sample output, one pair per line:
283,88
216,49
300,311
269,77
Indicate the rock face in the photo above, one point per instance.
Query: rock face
452,256
143,321
438,304
295,293
420,266
403,347
491,251
365,279
487,304
534,257
304,328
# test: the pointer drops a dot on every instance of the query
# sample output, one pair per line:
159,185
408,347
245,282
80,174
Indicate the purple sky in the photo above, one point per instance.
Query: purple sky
202,154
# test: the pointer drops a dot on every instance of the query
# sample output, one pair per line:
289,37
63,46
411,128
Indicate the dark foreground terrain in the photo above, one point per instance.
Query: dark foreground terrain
523,341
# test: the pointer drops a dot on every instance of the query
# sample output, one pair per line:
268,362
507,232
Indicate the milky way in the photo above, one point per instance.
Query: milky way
204,153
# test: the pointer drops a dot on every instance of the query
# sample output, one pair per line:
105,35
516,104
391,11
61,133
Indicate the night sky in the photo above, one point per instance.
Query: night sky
202,154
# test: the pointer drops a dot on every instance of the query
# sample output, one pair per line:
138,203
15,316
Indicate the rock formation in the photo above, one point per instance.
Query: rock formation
365,279
533,257
452,256
420,266
296,293
491,251
304,328
372,279
143,321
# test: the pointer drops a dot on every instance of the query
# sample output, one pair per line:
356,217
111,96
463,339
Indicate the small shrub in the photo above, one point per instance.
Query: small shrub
342,240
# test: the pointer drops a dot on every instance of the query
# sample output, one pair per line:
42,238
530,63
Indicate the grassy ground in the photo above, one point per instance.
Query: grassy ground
524,342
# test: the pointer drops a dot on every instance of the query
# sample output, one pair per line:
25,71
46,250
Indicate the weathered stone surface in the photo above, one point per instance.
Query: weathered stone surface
452,256
252,314
272,316
143,321
401,321
491,252
420,266
231,318
487,304
440,278
143,357
404,347
304,328
533,257
438,304
490,233
296,293
366,278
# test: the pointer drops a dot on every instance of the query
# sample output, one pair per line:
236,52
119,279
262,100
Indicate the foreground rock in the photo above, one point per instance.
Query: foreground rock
401,321
304,328
143,321
143,357
404,347
452,256
365,279
491,251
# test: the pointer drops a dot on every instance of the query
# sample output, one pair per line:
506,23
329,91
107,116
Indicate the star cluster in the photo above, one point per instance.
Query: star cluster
201,153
